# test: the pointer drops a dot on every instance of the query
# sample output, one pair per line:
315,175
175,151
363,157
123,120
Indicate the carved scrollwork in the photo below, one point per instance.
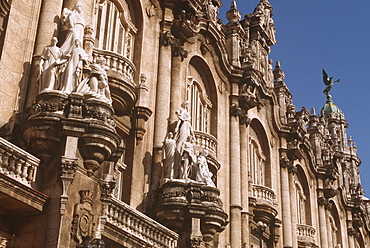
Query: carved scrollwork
47,106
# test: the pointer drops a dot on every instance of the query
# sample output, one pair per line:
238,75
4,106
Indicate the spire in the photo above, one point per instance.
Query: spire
233,14
313,111
279,74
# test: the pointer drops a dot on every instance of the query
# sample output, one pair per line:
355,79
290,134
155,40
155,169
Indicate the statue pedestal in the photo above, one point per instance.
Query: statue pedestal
192,209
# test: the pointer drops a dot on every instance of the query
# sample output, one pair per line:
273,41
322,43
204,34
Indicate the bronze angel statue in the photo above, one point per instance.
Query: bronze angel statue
329,82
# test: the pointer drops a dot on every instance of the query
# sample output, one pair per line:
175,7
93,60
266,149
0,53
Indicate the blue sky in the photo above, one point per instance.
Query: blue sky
330,34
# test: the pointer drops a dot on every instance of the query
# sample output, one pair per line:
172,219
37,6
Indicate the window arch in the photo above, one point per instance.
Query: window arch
114,28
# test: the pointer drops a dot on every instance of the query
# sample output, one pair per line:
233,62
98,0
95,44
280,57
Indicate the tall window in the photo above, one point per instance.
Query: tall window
199,102
114,29
256,163
301,204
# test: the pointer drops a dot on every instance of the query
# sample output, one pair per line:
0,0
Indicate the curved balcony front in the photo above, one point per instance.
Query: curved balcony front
306,234
121,72
206,141
263,200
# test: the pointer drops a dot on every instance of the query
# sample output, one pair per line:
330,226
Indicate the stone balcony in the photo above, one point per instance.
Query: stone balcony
17,173
126,224
263,201
121,72
263,194
306,234
17,163
206,141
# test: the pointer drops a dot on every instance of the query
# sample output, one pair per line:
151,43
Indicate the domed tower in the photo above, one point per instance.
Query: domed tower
336,125
334,118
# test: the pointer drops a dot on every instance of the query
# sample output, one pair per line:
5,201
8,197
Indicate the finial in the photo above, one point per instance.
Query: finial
279,74
313,111
233,14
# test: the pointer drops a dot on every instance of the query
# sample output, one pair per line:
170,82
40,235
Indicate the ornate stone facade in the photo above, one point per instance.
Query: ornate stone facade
150,123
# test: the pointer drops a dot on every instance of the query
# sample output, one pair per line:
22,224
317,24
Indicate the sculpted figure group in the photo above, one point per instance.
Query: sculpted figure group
61,68
180,160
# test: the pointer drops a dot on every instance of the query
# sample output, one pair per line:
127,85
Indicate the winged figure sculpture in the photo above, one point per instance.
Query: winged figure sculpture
329,82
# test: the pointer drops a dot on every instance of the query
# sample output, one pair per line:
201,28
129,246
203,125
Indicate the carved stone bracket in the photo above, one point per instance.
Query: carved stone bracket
322,201
139,117
287,163
240,113
167,39
106,190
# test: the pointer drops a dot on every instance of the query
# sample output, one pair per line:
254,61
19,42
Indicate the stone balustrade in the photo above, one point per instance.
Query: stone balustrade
17,163
261,192
306,233
206,141
139,225
117,63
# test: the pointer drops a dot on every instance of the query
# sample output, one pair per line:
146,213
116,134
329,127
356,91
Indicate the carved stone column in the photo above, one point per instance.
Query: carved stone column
175,87
323,222
163,90
285,163
235,172
244,185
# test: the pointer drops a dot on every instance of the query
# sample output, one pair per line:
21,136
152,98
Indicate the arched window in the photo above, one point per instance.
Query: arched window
4,15
302,195
199,101
301,204
334,227
114,28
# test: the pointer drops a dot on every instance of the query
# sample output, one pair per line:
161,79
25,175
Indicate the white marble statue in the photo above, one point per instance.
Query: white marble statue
72,74
183,127
188,158
75,24
203,174
168,156
96,85
49,67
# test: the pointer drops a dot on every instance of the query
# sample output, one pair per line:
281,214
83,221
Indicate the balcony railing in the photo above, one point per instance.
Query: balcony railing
261,192
117,63
206,141
17,163
305,233
140,226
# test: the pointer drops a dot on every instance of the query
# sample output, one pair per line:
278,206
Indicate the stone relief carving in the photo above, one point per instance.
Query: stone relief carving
83,219
212,11
179,157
